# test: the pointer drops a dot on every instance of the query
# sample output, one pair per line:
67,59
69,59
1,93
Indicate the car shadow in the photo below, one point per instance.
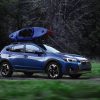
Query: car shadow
41,76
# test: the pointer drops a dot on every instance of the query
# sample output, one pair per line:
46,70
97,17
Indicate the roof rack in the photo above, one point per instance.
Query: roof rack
16,42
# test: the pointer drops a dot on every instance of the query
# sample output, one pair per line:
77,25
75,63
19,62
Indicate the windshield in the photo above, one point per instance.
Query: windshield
51,49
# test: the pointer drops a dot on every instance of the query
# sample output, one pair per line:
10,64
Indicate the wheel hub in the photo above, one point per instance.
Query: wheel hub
5,69
53,70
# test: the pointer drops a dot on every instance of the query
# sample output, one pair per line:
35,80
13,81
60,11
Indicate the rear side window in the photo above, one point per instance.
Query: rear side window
18,48
32,49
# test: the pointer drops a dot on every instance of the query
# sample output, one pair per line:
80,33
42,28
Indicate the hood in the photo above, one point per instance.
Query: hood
65,55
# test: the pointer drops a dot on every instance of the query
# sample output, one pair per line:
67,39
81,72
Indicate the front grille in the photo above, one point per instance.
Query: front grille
85,65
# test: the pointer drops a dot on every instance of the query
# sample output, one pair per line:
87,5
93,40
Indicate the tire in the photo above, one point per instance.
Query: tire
75,76
6,70
54,70
28,74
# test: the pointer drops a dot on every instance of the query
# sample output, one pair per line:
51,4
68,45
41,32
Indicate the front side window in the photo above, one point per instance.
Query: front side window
32,49
18,48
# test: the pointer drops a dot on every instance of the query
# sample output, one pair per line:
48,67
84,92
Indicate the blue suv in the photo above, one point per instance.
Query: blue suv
30,58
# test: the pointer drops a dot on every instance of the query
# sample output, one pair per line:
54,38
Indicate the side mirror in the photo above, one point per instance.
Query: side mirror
8,49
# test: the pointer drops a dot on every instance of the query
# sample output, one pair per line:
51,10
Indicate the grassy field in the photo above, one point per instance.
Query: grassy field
40,89
49,90
95,69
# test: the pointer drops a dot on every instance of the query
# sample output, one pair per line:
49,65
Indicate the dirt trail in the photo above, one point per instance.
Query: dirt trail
20,76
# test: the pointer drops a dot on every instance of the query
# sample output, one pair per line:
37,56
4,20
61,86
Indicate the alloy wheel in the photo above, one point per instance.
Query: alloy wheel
54,71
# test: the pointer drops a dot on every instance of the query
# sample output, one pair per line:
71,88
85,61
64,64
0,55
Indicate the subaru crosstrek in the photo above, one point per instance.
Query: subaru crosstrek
30,58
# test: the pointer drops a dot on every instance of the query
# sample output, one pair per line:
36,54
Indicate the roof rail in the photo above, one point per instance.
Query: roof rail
17,42
23,42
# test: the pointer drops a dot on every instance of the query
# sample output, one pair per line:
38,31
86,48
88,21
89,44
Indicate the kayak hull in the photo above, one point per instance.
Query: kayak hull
28,34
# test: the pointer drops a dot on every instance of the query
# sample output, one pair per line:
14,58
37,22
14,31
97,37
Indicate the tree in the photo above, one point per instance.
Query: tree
75,23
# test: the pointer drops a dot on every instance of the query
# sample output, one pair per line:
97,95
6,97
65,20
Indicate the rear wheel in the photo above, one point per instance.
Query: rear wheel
6,70
28,74
75,76
54,70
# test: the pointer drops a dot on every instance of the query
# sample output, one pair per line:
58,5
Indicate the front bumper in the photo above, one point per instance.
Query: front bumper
81,68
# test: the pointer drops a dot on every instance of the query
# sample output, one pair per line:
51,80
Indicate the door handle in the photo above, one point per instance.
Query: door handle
9,55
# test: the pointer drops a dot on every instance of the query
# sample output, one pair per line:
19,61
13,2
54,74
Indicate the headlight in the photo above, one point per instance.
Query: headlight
70,59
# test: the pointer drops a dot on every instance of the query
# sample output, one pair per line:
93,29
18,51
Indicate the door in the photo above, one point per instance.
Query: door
17,56
34,57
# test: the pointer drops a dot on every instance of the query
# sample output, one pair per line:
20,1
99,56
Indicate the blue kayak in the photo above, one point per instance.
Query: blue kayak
28,34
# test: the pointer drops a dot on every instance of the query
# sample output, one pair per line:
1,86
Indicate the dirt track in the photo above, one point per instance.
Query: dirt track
20,76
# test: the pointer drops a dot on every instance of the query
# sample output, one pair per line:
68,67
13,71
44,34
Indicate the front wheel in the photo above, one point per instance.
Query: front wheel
6,70
75,76
54,70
